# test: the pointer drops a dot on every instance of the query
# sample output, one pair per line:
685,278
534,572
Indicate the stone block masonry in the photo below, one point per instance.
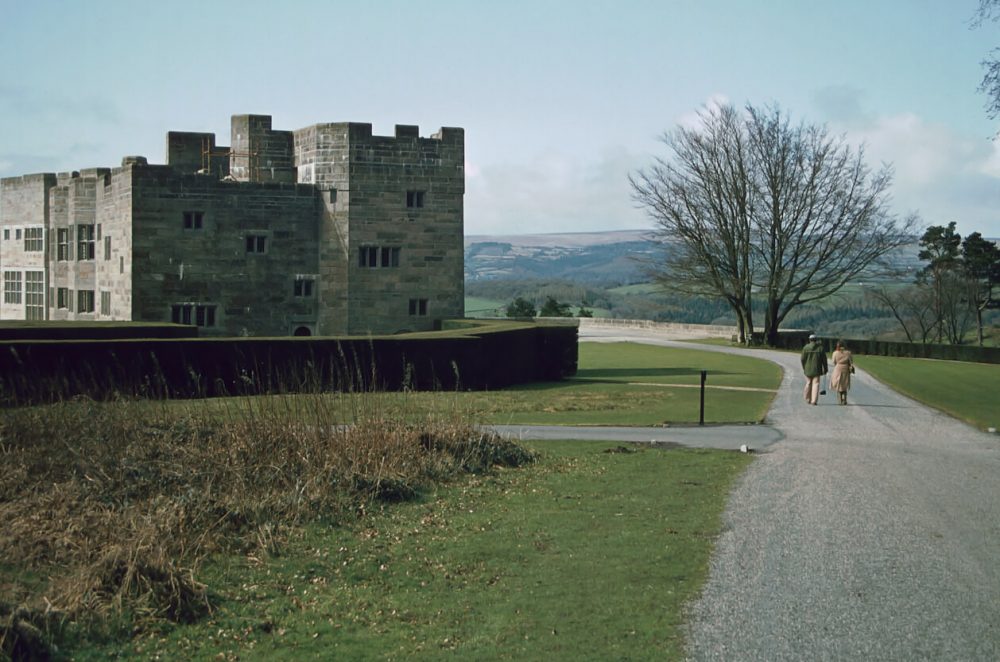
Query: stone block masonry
325,230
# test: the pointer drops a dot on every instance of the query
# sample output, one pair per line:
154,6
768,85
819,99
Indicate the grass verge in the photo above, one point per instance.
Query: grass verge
967,391
592,551
109,511
626,384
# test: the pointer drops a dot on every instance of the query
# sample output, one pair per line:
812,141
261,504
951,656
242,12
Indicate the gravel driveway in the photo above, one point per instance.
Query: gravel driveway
869,532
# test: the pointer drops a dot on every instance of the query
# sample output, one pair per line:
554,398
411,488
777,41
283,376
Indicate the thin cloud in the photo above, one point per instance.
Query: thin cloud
552,192
34,102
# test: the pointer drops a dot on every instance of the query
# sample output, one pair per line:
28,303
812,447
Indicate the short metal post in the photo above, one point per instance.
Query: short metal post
701,416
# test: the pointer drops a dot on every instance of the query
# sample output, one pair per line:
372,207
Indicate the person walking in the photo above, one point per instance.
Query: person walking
843,368
814,367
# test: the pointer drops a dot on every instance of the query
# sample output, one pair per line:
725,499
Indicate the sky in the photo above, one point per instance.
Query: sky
560,99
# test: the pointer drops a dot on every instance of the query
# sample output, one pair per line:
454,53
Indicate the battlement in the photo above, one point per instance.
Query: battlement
326,229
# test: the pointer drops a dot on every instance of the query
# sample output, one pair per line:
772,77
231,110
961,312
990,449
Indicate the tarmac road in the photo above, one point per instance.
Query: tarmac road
865,532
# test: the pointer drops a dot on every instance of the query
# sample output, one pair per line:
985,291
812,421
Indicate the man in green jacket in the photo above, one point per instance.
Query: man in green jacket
814,365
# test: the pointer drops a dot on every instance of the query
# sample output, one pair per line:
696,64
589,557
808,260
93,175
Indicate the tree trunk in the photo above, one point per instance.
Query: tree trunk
771,322
979,323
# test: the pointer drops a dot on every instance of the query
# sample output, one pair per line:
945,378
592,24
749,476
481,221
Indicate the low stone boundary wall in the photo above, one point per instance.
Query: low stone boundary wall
700,330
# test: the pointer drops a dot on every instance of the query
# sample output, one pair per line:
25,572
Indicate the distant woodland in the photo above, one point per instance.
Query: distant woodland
605,275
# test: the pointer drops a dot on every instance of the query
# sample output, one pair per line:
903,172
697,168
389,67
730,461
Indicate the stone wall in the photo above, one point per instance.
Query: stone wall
189,153
370,239
114,260
676,329
251,244
260,154
24,207
73,216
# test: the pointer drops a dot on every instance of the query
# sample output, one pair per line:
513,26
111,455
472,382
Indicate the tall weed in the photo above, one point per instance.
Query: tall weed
108,509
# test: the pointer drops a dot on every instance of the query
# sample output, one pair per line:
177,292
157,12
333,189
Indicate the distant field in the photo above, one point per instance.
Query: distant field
637,288
479,307
482,307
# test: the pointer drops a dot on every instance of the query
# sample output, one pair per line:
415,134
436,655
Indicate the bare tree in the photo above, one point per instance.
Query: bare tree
752,203
913,307
701,204
989,11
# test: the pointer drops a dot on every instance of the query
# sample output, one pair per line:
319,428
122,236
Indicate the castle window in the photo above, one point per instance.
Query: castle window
303,287
12,287
62,297
414,199
85,244
105,303
85,301
34,239
198,314
17,234
257,243
390,256
193,220
418,307
368,256
107,247
6,234
62,244
34,295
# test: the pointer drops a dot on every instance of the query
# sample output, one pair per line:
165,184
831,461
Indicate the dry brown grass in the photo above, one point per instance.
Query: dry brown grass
108,509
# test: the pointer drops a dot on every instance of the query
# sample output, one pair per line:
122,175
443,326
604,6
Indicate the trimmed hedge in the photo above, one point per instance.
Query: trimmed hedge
20,330
797,339
488,356
968,353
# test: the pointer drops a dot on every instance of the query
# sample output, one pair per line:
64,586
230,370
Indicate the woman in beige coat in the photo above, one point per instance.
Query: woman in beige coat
843,368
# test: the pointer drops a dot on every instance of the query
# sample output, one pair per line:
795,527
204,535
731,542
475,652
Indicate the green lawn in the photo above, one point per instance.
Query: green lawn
616,384
588,554
584,553
967,391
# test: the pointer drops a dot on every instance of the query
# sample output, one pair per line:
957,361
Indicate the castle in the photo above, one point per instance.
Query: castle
325,230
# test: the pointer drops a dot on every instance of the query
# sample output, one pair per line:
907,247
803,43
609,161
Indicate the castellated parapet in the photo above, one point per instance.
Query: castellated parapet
325,230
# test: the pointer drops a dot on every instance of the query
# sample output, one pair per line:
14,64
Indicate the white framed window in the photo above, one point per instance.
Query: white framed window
105,303
256,244
368,256
371,257
303,287
62,244
85,242
12,287
34,295
194,220
85,301
34,239
62,297
199,314
390,256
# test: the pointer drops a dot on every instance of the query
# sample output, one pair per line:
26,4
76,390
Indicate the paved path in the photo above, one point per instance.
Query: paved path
756,437
868,532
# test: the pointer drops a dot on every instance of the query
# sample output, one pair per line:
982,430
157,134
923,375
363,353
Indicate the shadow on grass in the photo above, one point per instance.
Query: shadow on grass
618,374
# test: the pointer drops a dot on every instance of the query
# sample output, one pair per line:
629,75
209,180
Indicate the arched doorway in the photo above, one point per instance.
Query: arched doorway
303,331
